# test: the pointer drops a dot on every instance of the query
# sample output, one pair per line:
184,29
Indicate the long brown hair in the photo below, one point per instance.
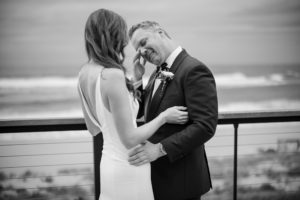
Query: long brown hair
105,39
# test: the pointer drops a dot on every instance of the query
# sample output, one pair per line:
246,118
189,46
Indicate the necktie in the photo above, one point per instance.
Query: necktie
162,67
157,85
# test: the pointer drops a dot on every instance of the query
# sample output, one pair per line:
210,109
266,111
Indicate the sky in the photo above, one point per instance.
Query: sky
46,36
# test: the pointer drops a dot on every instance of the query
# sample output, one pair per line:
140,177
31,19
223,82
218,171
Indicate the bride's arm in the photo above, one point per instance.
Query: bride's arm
114,88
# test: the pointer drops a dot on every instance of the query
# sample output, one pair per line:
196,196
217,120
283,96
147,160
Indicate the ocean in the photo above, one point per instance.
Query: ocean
240,88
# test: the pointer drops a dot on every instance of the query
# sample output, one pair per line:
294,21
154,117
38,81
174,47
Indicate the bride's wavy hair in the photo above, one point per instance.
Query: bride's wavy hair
105,39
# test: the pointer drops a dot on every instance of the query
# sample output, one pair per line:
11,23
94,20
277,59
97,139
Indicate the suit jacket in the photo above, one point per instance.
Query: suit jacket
184,172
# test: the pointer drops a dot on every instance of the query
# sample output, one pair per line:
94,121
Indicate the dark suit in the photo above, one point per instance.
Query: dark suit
184,172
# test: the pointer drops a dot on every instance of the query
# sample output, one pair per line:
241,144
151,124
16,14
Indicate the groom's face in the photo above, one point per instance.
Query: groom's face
150,43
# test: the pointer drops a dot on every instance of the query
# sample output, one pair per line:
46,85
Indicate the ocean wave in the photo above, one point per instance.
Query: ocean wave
40,113
238,80
241,80
240,106
38,82
230,80
270,105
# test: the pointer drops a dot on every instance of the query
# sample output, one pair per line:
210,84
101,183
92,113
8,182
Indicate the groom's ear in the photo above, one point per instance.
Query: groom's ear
163,33
160,31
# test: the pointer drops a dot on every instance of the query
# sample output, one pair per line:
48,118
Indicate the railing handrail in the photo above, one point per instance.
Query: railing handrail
77,123
41,125
259,117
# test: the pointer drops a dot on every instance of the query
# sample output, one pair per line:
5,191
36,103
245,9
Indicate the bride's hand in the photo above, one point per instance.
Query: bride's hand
176,115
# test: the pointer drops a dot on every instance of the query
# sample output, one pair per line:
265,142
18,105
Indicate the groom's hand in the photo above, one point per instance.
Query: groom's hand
138,66
144,153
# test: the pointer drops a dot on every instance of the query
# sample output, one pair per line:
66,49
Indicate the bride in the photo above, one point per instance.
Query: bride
109,103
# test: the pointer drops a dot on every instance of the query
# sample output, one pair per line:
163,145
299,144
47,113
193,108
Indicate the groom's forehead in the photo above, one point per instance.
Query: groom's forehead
141,32
139,35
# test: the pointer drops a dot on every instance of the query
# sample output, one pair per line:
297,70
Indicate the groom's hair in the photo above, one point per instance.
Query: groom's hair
150,25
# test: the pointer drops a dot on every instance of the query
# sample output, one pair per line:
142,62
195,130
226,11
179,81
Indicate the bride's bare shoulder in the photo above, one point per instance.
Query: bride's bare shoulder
89,69
112,75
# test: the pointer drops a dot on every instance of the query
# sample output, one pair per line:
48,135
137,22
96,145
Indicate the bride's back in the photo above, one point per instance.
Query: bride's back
88,76
87,80
91,83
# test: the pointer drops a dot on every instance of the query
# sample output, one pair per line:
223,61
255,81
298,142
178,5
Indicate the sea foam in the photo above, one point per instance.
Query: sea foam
237,80
230,80
38,82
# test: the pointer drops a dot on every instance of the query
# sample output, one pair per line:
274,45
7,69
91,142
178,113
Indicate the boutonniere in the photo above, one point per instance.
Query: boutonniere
165,77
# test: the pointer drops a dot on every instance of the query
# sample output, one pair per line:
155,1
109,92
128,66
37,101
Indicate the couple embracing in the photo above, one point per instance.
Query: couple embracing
165,158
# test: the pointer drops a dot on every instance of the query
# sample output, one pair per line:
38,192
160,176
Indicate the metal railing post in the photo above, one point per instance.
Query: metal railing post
235,164
97,151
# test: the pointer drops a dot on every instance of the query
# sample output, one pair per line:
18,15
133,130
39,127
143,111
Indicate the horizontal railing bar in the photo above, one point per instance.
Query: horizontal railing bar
63,186
43,143
47,154
53,165
67,124
259,117
42,122
90,141
272,182
292,191
58,198
41,125
231,145
213,168
219,156
246,155
46,176
292,173
60,153
220,176
258,133
254,173
270,133
251,174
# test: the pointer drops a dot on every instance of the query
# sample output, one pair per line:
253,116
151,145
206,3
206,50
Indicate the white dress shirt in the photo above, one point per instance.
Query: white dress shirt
170,60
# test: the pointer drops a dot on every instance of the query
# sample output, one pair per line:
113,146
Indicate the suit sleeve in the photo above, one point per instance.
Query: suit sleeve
201,100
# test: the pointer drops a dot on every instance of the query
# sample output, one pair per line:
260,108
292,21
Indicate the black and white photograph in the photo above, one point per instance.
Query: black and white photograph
149,100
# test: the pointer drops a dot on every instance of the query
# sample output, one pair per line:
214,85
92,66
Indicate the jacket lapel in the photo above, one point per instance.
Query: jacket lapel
160,92
148,94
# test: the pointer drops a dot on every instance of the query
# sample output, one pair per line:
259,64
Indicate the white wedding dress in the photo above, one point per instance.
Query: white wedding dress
118,179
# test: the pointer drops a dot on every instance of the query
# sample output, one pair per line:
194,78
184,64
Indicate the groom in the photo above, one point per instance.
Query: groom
179,168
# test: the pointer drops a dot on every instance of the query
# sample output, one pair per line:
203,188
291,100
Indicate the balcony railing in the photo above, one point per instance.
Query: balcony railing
41,125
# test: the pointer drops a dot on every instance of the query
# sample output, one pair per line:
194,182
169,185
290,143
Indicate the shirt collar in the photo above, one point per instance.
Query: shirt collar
170,60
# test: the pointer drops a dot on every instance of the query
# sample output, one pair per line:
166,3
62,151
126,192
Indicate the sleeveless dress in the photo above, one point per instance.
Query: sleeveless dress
118,179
